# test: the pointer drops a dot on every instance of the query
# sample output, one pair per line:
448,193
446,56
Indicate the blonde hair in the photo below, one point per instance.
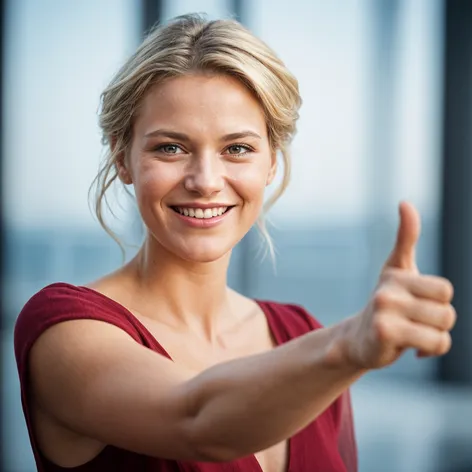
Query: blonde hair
186,45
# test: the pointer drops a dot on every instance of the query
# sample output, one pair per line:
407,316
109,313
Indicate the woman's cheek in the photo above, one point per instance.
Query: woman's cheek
157,180
249,181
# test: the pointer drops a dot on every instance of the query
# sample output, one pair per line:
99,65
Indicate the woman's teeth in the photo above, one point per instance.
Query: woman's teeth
202,212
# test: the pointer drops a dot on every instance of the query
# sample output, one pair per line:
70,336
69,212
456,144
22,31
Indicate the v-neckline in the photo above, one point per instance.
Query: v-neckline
275,333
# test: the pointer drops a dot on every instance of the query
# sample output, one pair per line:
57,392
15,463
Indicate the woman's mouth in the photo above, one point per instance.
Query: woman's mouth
202,213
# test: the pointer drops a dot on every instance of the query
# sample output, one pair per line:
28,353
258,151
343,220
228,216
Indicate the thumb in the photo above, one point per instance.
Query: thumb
403,255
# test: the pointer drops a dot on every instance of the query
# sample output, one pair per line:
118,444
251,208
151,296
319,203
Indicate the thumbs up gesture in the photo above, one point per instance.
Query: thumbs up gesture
407,309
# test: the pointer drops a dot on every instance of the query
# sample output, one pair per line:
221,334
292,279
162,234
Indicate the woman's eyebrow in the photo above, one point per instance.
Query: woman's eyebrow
240,135
168,134
183,137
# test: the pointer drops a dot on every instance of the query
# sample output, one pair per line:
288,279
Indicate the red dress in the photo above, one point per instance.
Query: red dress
325,445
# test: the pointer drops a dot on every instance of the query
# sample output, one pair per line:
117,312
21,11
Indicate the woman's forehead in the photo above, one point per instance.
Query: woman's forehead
201,102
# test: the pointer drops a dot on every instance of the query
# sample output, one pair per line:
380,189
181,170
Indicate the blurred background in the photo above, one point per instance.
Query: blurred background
387,115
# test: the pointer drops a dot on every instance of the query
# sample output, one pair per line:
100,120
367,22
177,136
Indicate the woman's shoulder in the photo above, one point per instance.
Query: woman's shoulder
65,299
293,318
60,302
60,291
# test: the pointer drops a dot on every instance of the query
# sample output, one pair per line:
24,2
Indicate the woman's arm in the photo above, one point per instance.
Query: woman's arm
97,381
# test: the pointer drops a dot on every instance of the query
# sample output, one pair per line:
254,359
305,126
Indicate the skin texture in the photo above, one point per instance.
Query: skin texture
203,167
92,385
407,309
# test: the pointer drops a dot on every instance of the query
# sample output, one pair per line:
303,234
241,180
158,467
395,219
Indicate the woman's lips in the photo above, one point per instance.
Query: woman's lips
202,217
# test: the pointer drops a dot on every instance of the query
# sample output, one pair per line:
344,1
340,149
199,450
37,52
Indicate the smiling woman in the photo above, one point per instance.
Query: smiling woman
200,143
160,366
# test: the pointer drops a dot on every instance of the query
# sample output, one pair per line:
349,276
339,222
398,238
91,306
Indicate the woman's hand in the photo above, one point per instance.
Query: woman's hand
407,309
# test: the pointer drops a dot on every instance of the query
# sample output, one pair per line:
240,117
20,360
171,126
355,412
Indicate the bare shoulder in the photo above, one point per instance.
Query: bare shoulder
240,300
293,314
89,387
111,284
248,309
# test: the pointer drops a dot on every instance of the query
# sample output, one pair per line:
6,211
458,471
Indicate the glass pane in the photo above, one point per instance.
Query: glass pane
212,8
59,57
368,137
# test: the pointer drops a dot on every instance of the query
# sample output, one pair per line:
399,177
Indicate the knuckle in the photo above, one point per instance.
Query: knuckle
383,298
443,288
449,318
383,328
444,344
453,317
448,290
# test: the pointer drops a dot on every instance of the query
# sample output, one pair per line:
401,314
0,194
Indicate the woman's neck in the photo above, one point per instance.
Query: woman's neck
187,294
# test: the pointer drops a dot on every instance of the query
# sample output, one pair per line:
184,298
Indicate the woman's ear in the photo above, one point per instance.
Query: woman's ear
123,172
273,167
121,168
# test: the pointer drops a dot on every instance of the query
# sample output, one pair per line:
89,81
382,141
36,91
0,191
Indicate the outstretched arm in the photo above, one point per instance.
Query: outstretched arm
97,381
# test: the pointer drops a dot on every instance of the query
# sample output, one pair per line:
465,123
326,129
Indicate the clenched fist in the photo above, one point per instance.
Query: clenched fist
407,309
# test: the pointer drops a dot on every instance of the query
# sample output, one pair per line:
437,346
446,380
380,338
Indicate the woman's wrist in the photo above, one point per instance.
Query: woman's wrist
340,352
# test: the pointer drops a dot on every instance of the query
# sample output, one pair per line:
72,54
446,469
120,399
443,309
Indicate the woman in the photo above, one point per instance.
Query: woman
159,366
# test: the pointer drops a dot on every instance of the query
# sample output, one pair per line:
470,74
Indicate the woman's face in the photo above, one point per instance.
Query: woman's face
200,160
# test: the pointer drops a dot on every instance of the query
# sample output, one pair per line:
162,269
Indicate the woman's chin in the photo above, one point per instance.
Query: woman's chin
197,249
203,255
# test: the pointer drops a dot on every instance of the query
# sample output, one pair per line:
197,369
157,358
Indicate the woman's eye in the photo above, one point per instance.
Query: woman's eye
238,149
169,148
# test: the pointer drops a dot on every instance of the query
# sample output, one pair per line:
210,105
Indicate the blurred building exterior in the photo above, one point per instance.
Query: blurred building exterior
371,133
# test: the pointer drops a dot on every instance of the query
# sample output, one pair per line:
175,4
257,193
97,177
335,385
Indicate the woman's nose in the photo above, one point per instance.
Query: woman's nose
205,176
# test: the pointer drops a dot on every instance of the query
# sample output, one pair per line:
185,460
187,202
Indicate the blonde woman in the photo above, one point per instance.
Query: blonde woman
160,366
